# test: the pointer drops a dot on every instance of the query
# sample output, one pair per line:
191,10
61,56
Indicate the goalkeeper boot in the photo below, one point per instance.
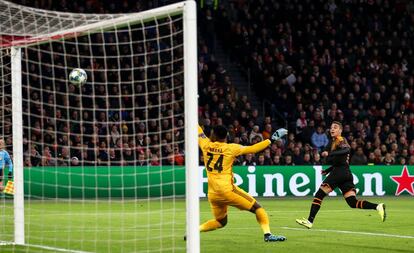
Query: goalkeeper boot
274,238
304,222
381,211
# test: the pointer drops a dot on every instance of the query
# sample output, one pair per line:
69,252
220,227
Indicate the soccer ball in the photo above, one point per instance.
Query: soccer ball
78,77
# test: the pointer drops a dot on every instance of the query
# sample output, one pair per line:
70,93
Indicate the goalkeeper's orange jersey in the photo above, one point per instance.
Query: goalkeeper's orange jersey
219,158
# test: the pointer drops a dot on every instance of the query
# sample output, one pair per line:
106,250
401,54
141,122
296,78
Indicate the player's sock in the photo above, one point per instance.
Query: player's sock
368,205
362,204
210,225
316,204
263,220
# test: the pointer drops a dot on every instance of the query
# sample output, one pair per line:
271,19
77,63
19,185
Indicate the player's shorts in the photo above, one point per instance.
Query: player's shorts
1,175
342,178
237,198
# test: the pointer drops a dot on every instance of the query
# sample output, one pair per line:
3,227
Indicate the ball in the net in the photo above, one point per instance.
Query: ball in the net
78,77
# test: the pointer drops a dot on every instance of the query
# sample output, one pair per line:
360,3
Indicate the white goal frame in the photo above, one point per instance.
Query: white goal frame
188,10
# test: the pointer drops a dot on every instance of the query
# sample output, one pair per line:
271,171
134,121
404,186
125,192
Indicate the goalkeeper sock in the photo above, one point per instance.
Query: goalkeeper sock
210,225
263,220
316,204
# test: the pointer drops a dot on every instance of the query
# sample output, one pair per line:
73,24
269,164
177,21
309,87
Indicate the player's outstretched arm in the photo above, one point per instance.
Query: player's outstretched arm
342,151
264,144
255,148
203,140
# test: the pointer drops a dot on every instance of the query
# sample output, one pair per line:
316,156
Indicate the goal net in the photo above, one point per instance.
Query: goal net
112,165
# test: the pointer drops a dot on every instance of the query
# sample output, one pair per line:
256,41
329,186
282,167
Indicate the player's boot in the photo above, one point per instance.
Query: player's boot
304,222
274,238
381,211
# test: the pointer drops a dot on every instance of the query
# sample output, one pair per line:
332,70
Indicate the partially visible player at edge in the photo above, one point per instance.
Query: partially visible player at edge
4,160
337,155
222,192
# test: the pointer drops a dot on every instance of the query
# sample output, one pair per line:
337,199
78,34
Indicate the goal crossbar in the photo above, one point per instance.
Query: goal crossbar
110,22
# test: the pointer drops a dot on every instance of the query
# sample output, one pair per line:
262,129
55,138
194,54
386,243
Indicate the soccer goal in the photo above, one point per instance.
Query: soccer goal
111,165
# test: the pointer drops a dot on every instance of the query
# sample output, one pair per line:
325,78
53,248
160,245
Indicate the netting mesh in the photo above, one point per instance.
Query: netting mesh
103,162
25,21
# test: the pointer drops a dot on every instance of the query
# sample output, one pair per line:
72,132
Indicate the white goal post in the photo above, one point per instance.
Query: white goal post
35,27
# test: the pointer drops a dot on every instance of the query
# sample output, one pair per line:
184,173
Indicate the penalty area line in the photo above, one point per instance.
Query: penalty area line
351,232
5,243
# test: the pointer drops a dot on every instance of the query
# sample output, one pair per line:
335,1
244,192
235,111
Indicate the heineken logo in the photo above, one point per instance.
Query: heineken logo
260,181
280,181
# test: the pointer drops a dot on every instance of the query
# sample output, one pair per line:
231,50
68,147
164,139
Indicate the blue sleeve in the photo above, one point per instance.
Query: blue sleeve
9,162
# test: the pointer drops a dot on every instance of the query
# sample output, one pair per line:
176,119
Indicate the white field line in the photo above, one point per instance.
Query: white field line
3,243
102,213
351,232
148,229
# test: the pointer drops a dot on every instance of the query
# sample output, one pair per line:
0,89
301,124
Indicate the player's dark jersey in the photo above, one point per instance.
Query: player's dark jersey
339,150
340,174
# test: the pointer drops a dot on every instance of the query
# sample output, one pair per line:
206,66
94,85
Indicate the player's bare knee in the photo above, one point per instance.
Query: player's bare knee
349,193
223,221
326,188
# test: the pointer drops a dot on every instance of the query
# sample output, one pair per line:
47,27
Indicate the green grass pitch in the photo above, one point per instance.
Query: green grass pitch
140,226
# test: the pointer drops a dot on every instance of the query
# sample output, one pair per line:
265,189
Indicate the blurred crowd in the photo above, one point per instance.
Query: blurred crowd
319,61
315,61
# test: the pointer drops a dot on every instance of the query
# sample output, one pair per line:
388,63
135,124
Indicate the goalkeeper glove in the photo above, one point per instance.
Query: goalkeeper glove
10,175
279,134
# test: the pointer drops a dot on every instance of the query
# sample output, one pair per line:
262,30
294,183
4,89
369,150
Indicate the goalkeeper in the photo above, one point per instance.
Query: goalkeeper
222,192
4,160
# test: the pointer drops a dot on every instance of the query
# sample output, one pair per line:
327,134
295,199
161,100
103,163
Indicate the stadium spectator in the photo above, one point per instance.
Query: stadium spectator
359,158
255,134
248,160
319,138
317,159
288,160
261,160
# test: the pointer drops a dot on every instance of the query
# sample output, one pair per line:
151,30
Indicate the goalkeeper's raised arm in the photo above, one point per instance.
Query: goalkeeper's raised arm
263,144
203,141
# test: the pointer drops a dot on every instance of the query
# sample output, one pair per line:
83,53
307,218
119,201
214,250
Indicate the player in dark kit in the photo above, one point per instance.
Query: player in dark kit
337,155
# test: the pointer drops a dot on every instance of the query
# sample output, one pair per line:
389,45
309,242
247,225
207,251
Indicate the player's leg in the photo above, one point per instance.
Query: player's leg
261,217
326,187
324,190
349,193
220,216
244,201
